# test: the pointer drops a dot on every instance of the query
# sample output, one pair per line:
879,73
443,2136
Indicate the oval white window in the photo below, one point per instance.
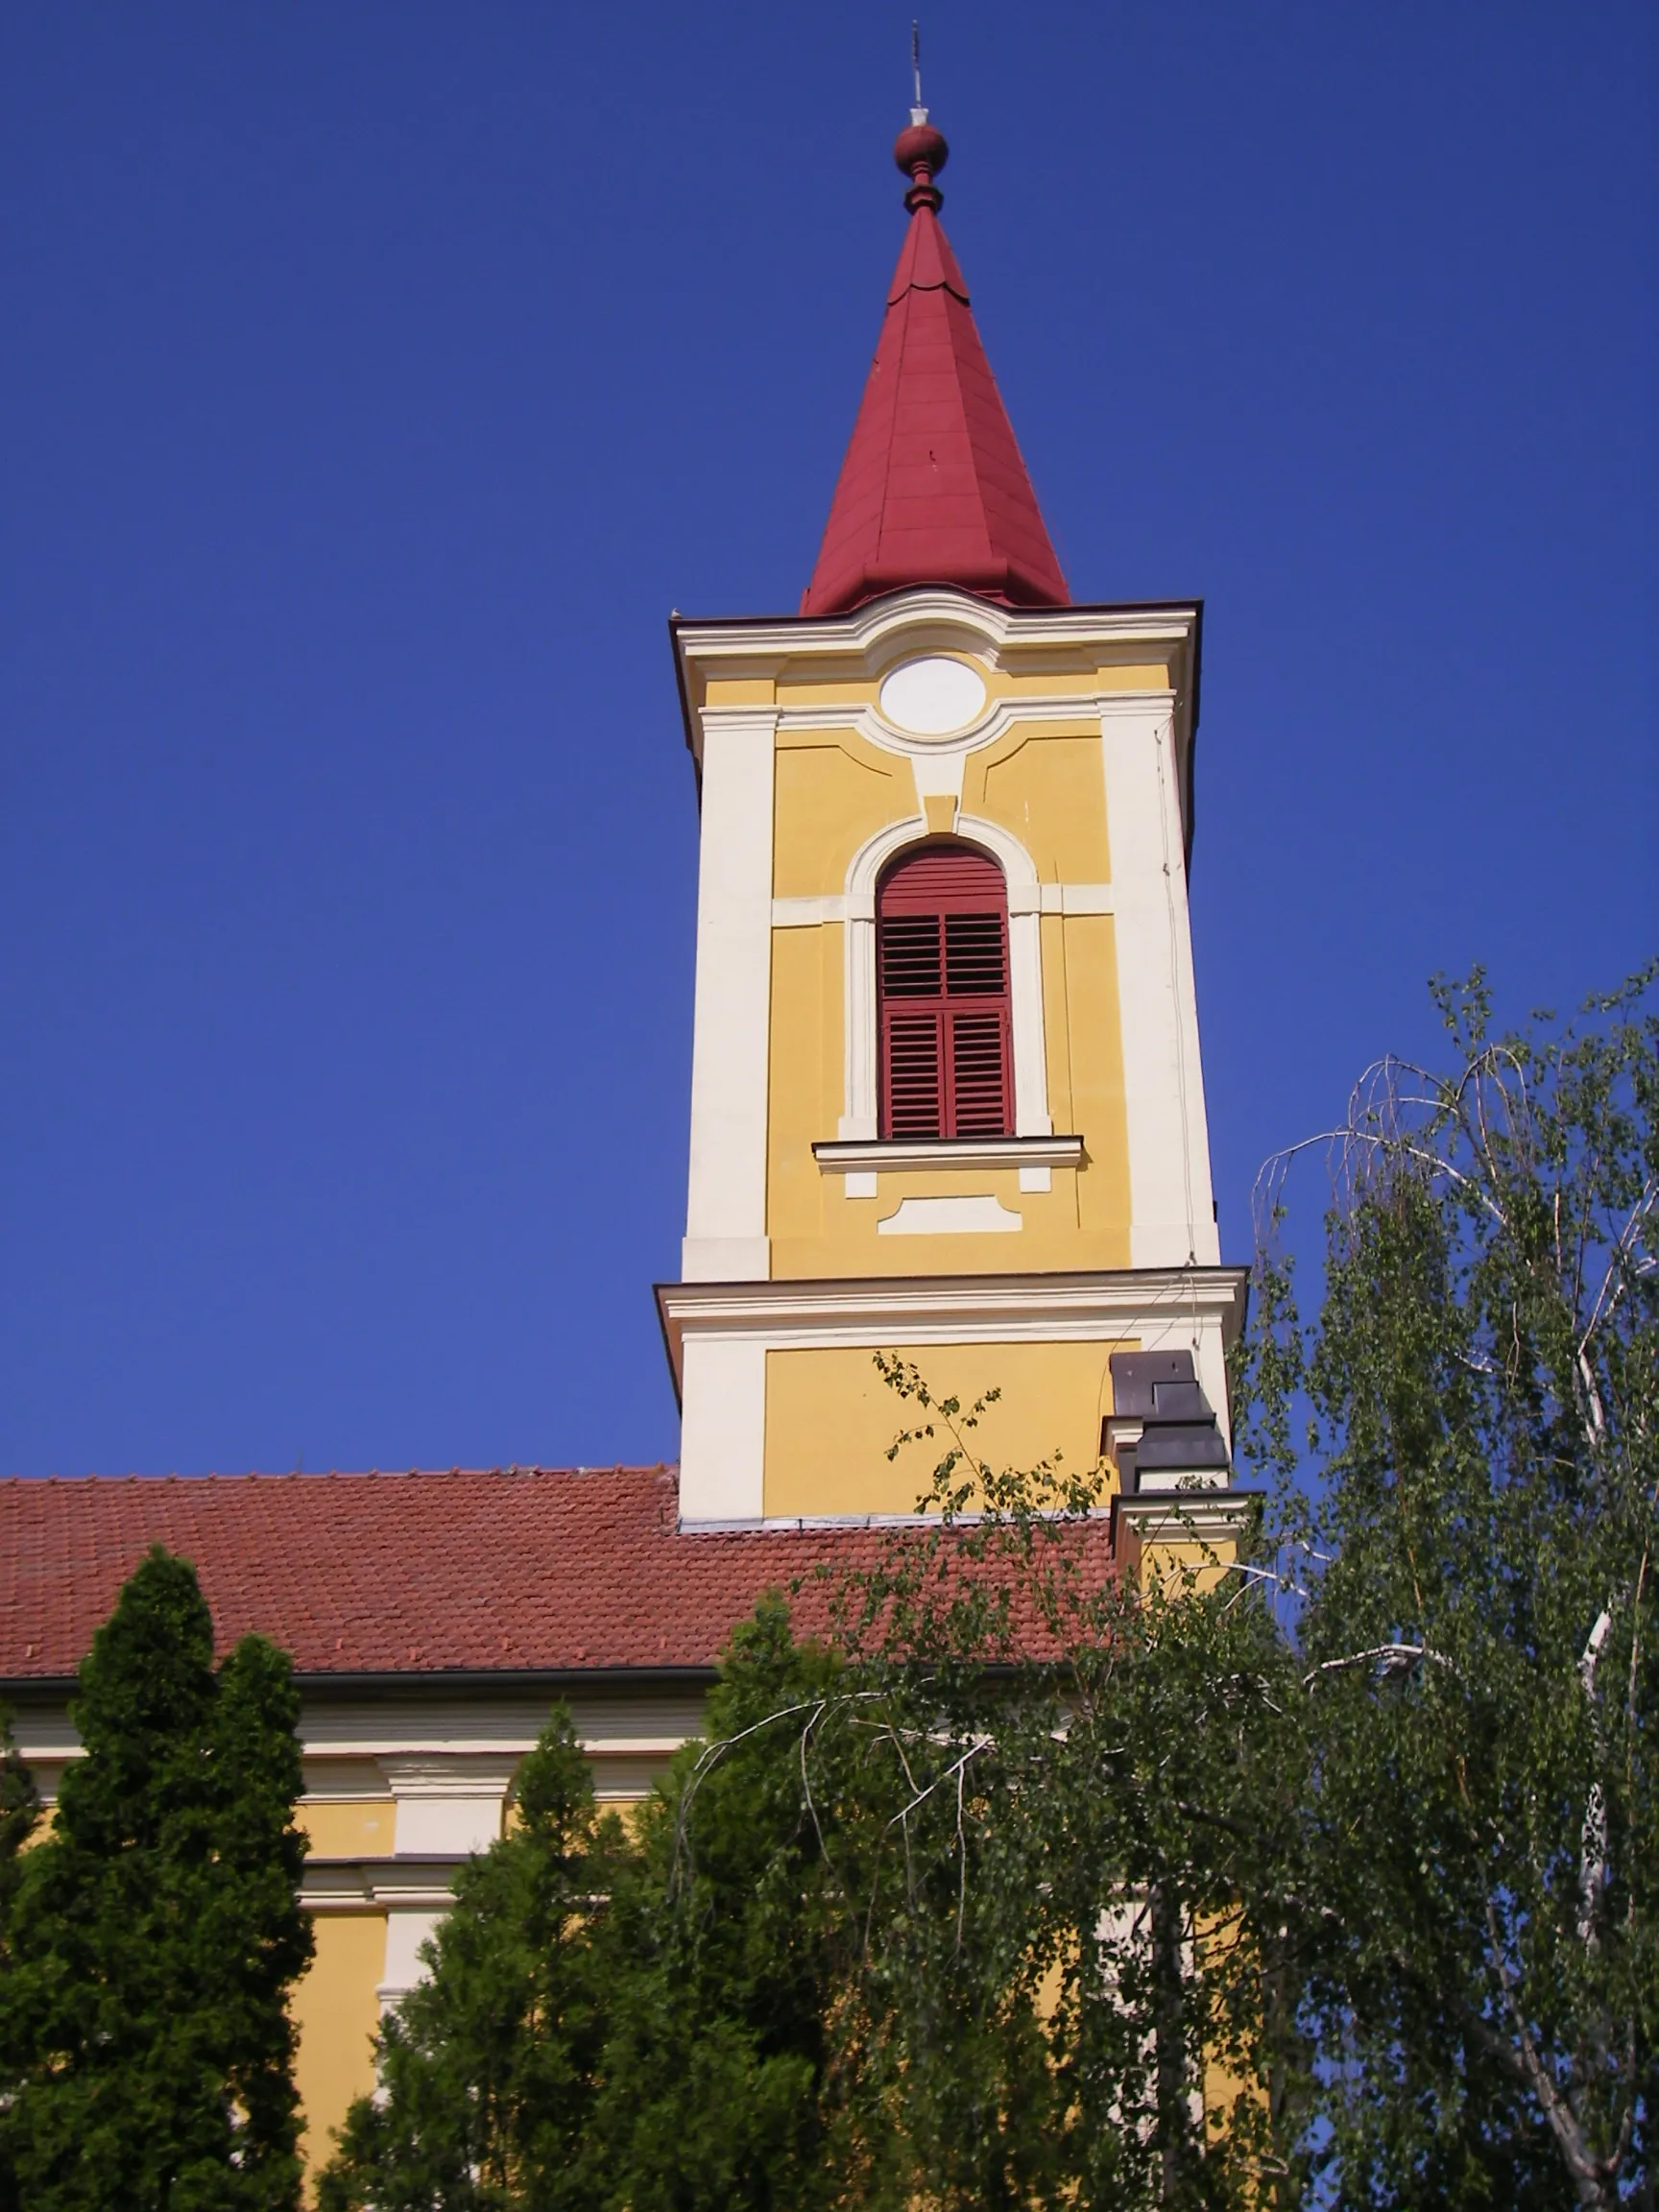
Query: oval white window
932,697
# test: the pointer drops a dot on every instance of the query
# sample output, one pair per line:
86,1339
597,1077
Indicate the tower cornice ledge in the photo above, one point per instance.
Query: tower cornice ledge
953,1309
864,627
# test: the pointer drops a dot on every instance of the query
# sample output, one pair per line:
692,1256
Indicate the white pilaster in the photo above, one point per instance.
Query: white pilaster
726,1207
405,1933
1171,1206
723,1429
444,1805
446,1802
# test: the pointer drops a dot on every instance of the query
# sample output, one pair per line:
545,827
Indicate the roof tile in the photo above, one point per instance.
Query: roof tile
418,1573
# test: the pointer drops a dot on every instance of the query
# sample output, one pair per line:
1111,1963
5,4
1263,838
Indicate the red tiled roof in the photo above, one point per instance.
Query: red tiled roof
409,1573
933,490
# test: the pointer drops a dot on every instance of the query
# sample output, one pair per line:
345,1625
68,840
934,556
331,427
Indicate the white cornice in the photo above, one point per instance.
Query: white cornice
1187,1516
866,630
1109,704
422,1883
836,1156
879,1311
447,1773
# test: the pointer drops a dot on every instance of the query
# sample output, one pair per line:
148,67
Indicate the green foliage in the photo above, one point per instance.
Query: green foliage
489,2068
19,1817
1322,1875
152,1936
1483,1393
726,1929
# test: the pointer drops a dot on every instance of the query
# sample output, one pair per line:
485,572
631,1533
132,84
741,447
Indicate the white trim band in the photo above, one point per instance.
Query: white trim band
891,1155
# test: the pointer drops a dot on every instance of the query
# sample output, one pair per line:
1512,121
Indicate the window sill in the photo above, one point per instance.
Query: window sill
865,1158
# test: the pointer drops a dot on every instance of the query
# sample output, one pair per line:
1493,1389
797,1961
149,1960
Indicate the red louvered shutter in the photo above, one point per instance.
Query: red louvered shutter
942,977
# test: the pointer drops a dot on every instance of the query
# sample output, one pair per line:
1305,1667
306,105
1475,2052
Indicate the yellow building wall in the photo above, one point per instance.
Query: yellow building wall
831,796
833,792
336,2011
1049,790
347,1827
1080,975
805,1080
831,1419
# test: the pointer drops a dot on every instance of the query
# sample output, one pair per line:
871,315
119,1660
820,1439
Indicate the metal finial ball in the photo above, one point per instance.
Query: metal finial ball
921,147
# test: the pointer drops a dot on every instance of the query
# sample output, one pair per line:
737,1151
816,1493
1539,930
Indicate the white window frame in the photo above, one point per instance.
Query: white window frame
861,1047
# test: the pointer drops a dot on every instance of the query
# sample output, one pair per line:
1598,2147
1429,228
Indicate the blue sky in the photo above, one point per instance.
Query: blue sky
377,379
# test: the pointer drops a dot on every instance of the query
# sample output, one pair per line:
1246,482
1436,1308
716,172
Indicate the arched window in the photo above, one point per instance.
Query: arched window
942,987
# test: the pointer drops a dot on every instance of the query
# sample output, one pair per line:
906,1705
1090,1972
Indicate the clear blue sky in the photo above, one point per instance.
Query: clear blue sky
376,378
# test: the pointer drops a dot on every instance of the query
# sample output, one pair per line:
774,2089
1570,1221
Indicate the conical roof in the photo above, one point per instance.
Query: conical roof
933,490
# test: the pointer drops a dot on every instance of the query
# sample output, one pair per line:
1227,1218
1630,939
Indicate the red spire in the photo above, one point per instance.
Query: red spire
932,490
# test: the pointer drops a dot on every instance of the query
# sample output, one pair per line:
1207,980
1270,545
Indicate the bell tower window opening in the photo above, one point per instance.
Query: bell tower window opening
942,994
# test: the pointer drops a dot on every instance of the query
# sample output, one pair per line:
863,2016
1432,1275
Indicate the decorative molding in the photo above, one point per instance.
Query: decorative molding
1218,1515
998,717
467,1774
932,695
1111,706
1103,1305
956,620
836,1156
1076,899
447,1802
950,1217
410,1882
809,913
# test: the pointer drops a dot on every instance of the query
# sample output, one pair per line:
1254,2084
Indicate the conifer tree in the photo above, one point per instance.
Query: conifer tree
155,1934
489,2069
731,1936
19,1815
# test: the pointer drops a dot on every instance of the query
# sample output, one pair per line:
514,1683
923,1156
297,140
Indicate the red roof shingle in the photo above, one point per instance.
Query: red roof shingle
411,1573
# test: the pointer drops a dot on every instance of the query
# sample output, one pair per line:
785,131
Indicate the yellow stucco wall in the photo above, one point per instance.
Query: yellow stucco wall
1049,789
336,2011
1080,981
804,1101
831,1419
834,791
347,1827
832,794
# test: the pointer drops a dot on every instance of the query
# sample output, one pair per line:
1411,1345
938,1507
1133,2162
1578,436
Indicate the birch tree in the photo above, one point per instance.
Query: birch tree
1478,1636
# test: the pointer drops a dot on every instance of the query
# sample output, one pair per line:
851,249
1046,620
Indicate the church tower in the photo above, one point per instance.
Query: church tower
947,1098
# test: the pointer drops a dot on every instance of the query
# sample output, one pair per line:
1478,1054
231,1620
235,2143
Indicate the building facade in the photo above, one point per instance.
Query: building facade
947,1101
